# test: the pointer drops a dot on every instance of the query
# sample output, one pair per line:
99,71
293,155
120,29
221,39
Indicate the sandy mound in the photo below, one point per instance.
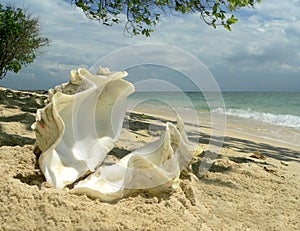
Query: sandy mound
243,190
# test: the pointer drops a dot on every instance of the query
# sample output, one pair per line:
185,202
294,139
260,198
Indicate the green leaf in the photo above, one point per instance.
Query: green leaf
231,20
227,27
215,7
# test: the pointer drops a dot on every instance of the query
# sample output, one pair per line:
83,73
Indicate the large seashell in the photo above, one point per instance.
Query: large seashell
155,167
80,124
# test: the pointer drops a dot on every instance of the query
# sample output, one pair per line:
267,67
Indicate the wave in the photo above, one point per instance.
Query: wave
284,120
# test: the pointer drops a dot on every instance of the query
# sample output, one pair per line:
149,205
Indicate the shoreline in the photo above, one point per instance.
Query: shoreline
276,153
269,148
232,127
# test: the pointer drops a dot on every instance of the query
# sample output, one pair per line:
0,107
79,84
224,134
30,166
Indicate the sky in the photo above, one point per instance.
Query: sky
261,53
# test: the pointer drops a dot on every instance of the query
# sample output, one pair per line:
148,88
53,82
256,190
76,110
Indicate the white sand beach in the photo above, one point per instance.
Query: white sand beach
253,184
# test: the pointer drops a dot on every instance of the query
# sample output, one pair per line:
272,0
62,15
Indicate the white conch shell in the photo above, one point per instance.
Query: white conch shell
155,167
75,131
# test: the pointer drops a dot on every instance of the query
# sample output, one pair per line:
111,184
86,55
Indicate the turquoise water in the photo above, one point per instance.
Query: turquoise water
277,108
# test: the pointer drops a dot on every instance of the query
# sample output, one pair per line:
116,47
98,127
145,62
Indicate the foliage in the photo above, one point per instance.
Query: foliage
142,16
19,39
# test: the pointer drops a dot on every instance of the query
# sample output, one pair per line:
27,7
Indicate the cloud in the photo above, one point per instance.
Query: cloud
267,35
75,42
264,41
277,9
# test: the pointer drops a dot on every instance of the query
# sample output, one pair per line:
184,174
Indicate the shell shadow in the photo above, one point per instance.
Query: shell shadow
37,178
14,140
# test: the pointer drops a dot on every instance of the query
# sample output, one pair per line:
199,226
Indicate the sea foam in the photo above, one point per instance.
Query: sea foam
284,120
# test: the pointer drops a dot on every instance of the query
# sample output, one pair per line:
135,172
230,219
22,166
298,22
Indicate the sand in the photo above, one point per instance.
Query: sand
252,185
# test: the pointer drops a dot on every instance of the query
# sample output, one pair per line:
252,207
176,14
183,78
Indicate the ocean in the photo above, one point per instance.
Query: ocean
269,115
